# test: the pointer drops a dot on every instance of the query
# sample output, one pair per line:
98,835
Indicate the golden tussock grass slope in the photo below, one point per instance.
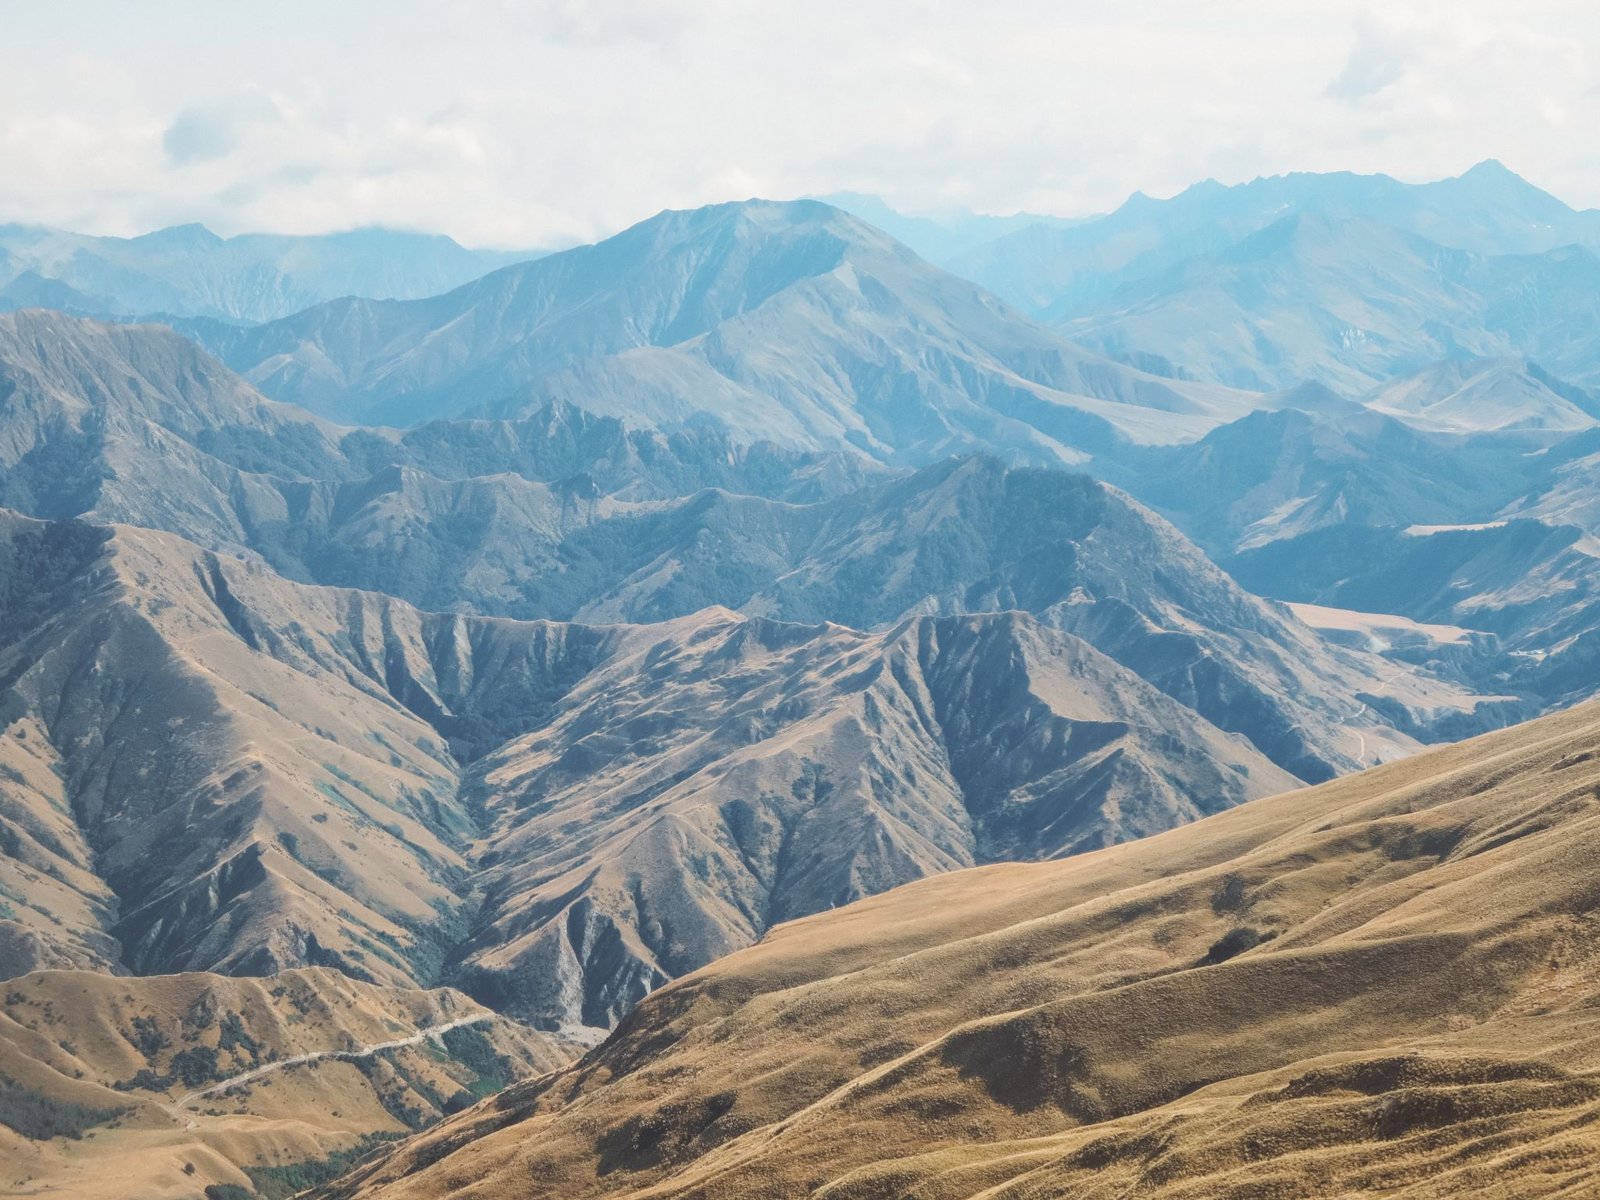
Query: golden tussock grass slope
110,1086
1383,985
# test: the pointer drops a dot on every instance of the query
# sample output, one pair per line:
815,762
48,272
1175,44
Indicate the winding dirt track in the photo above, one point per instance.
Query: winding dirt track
415,1039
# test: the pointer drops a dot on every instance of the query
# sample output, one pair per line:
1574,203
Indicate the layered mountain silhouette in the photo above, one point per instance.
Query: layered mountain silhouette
1386,982
1340,279
1469,396
1052,272
1278,474
1530,585
585,520
1349,304
188,271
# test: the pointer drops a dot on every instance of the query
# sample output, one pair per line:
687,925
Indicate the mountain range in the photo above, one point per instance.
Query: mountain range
560,817
188,271
1488,210
806,536
1349,304
673,322
1338,279
740,707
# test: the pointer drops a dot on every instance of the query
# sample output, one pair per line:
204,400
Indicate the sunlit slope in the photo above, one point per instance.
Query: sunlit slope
1385,985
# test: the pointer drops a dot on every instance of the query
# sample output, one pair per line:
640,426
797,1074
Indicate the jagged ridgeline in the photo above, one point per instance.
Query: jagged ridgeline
560,816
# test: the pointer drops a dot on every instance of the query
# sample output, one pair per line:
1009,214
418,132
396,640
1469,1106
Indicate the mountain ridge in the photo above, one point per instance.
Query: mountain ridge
557,817
187,271
674,314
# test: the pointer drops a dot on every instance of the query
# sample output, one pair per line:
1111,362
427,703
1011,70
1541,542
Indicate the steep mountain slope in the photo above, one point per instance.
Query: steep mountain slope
1564,494
720,774
188,271
207,767
583,518
675,322
135,424
185,791
1348,508
161,1087
1059,273
1536,586
973,536
963,536
1386,984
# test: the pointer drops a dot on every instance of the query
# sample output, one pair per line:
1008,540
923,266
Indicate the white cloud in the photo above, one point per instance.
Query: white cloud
608,22
536,121
205,132
1378,60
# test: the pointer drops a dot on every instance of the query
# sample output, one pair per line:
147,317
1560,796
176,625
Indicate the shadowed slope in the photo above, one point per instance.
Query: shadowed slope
207,767
569,516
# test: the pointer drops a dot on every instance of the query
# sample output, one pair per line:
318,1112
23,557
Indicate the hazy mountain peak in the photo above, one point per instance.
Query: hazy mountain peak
679,320
1492,173
179,236
188,272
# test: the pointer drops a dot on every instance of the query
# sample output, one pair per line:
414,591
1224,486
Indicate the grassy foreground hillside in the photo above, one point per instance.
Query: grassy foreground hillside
1386,985
116,1087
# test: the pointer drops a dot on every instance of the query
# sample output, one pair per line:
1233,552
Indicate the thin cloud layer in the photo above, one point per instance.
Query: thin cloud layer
534,122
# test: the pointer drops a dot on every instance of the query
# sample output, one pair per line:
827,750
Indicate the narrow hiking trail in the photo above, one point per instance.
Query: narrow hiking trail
367,1051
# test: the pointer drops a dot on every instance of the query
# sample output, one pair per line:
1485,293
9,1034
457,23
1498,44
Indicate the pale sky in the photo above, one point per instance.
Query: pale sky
534,122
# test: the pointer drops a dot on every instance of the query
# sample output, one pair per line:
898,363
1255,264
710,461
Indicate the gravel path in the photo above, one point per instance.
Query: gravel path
363,1052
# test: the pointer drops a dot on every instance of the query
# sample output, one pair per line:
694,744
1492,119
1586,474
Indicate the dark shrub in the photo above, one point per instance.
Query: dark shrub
1232,943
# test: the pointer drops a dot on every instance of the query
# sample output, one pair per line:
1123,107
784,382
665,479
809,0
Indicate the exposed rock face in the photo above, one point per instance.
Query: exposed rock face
135,424
179,788
1387,981
721,774
219,769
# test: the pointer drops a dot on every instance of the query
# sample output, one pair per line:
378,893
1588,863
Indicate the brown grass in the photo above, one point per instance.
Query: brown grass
1412,1012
